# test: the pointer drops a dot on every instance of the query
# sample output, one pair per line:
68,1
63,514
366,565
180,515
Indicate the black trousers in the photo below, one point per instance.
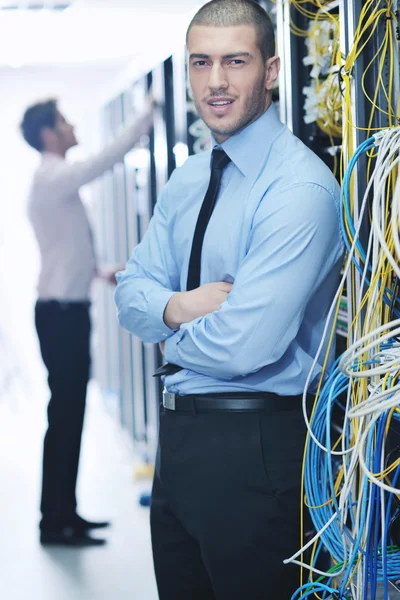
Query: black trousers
64,336
226,505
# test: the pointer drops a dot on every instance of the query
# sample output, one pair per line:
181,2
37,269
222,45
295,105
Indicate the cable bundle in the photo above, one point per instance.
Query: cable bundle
376,21
351,464
331,101
323,98
350,482
314,10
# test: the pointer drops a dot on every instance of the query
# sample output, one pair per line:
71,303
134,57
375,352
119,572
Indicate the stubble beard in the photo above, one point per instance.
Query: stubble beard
254,107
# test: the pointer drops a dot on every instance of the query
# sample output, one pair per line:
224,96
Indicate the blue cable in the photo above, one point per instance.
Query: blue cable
345,211
319,480
316,587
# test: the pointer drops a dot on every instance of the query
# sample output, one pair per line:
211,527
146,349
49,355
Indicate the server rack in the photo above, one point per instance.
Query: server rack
125,365
137,166
295,76
107,343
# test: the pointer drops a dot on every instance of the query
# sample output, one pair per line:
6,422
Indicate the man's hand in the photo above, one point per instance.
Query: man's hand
184,307
108,274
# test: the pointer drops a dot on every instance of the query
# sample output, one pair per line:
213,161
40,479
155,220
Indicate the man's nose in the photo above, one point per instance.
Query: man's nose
218,79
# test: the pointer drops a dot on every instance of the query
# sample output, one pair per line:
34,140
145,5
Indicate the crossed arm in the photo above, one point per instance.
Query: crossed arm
289,254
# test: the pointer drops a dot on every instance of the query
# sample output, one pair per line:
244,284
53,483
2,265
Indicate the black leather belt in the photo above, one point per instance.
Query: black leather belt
236,401
63,303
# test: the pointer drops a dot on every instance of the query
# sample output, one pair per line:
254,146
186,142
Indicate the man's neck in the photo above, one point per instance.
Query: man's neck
55,152
222,139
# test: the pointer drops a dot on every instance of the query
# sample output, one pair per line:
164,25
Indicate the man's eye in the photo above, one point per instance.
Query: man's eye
200,63
237,61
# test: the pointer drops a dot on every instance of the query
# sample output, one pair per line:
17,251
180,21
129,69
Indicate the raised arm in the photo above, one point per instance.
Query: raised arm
70,177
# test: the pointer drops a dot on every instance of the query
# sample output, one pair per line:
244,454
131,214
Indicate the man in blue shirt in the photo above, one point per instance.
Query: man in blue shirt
239,311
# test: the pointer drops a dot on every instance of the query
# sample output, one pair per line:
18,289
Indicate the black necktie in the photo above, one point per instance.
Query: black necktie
219,161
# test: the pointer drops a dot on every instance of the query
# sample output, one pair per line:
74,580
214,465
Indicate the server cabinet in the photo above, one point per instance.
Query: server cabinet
161,155
122,253
129,193
107,236
179,101
137,168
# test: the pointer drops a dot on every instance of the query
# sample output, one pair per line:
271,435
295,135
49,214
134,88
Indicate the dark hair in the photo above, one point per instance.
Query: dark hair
36,117
227,13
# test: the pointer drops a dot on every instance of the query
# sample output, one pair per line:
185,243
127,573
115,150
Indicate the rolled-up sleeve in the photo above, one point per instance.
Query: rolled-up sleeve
150,279
291,248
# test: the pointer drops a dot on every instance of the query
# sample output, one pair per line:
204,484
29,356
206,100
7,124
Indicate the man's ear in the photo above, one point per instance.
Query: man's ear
272,66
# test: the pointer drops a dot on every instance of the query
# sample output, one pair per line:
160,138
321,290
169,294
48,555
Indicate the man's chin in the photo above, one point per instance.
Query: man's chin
223,133
218,127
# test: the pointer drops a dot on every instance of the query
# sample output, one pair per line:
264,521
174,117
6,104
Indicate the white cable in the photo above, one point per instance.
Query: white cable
382,140
375,394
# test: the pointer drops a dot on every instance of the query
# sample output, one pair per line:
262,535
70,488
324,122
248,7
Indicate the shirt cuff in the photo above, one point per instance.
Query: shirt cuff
156,303
170,349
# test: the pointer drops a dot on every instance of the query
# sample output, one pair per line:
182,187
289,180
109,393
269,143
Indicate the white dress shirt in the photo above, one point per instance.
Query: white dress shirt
59,219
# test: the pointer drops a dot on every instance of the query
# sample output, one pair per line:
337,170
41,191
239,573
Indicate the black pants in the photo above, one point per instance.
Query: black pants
226,504
64,333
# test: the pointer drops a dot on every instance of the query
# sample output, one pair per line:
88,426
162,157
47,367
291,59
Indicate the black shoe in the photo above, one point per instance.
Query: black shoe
69,536
80,523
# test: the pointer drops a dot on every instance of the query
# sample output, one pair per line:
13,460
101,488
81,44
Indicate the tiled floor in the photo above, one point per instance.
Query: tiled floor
122,570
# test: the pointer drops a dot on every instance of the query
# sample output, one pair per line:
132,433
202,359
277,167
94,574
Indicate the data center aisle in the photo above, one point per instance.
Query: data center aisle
122,570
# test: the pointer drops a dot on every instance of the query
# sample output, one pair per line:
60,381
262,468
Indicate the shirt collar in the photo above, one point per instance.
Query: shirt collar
258,137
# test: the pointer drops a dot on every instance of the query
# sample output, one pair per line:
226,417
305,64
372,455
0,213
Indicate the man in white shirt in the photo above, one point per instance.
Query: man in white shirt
62,310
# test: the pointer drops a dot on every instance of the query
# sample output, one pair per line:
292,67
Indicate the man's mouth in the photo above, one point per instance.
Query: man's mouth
219,101
220,106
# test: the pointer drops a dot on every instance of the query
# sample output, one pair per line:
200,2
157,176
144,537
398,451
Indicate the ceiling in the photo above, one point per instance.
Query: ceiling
57,32
35,4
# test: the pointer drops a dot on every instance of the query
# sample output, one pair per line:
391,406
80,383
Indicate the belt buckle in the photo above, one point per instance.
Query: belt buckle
169,400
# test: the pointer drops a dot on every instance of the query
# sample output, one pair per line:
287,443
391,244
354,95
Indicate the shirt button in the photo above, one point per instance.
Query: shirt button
164,335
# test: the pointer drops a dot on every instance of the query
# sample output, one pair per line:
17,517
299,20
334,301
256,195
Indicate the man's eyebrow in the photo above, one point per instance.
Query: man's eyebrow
204,56
235,55
225,57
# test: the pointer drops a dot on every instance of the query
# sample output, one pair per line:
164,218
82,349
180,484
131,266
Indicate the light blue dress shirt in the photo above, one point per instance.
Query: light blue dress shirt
274,234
